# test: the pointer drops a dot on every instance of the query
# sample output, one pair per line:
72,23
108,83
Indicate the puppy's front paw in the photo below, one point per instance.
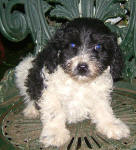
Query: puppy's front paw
54,137
115,130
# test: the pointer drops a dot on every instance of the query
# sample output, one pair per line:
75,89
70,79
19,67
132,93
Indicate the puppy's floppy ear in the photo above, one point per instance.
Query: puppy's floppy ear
117,64
35,81
49,58
59,34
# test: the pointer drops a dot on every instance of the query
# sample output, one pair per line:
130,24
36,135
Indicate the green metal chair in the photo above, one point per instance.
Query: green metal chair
19,18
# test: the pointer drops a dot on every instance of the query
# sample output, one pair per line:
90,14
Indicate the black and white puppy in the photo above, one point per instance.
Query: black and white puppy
72,80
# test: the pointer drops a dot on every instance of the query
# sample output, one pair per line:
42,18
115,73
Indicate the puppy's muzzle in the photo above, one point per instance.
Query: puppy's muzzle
82,69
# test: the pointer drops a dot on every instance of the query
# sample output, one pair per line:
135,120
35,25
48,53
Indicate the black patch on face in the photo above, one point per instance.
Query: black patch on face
88,39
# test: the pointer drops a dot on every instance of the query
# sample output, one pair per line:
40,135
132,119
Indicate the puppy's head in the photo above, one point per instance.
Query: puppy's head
86,48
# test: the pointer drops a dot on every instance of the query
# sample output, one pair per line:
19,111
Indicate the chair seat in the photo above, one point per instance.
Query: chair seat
23,133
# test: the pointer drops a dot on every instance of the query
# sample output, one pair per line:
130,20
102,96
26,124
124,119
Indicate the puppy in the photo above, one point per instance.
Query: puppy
72,80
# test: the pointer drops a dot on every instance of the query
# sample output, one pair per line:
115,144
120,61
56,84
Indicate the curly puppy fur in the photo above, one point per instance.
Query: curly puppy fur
72,80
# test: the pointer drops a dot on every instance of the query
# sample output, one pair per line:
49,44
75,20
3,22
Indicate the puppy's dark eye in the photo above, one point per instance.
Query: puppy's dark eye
98,47
72,45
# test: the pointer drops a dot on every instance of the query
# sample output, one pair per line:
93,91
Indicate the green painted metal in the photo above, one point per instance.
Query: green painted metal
18,18
129,44
13,25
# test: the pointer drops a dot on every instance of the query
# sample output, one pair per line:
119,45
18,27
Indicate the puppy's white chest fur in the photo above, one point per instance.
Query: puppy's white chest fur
75,97
74,101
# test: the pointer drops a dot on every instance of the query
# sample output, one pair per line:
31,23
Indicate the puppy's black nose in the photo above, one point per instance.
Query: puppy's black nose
82,69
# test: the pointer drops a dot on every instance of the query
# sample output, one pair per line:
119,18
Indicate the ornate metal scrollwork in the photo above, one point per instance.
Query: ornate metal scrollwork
29,18
13,24
38,26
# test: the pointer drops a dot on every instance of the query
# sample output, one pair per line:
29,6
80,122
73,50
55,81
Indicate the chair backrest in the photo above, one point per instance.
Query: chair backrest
18,18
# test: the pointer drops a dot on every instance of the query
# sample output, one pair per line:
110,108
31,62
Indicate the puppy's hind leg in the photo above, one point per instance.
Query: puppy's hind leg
30,111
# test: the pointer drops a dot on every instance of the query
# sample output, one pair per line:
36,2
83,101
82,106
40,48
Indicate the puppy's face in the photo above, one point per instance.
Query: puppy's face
86,49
